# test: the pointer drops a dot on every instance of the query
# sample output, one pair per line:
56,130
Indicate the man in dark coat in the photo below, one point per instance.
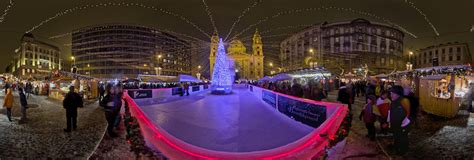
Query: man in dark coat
71,102
399,118
344,96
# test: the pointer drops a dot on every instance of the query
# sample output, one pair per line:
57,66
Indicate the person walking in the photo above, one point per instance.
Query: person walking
117,105
398,119
8,103
369,115
24,105
71,102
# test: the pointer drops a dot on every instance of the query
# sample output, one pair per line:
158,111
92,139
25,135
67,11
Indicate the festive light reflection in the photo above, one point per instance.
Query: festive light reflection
5,12
113,4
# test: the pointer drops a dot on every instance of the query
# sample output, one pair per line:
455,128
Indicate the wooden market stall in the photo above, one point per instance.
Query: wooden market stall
60,87
442,94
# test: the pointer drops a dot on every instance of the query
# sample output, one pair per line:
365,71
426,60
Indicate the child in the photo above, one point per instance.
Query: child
369,115
383,104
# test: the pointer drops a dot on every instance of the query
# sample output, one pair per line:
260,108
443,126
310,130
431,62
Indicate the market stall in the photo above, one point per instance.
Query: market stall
60,87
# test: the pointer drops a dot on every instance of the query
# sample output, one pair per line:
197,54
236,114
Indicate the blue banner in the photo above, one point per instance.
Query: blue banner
176,91
269,97
140,94
195,88
307,113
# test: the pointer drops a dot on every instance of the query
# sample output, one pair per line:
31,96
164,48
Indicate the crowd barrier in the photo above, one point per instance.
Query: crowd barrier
304,148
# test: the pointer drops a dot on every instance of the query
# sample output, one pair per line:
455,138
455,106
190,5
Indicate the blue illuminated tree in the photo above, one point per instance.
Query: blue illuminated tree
222,76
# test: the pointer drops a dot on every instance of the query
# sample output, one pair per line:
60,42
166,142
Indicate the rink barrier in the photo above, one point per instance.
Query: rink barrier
304,148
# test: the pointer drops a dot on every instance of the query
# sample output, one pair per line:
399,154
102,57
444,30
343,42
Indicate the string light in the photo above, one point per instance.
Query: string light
240,17
113,4
325,8
208,11
412,5
5,12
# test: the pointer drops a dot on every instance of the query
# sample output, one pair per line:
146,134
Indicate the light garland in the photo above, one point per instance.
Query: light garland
288,12
113,4
5,12
240,17
208,11
412,5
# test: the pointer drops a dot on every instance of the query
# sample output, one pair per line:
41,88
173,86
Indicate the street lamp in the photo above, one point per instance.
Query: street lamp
199,67
73,60
311,50
270,64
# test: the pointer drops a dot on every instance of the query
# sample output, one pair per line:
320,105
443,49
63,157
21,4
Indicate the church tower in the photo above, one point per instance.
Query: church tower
213,51
257,56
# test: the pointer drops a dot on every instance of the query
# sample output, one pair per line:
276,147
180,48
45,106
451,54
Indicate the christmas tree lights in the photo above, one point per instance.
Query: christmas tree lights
223,75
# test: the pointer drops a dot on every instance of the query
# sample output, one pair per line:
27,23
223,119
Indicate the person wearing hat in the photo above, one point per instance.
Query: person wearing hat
71,102
398,119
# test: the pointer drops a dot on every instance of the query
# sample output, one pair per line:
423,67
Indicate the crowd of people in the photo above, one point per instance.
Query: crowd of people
314,89
395,108
8,101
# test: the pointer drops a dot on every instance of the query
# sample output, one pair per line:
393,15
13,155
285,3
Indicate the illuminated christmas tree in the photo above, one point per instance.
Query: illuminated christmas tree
223,76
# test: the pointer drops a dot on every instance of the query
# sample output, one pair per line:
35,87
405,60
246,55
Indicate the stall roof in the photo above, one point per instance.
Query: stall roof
434,77
187,78
157,78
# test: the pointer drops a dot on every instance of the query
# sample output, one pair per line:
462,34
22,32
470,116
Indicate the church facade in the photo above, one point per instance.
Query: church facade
247,65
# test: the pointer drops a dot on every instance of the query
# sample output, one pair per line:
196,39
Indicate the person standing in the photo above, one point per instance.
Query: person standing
8,103
344,97
186,88
71,102
398,119
117,105
369,115
24,105
108,104
383,104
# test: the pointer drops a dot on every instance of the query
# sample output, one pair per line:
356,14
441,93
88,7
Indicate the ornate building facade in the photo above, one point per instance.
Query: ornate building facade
247,65
442,55
35,58
346,45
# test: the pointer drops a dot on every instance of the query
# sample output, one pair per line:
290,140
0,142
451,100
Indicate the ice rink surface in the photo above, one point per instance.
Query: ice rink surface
239,122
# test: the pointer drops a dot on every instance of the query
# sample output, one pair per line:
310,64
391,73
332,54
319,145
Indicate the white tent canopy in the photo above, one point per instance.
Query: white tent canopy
187,78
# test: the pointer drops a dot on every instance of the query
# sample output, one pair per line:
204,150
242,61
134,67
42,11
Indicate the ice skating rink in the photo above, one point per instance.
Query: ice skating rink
239,122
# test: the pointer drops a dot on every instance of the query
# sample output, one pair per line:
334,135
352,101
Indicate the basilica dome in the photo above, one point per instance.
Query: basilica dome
236,47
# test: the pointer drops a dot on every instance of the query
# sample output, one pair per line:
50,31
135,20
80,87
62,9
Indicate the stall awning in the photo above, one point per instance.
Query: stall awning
187,78
281,77
434,77
266,78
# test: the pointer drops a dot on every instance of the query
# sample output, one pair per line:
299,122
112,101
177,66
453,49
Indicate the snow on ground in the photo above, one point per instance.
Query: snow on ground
43,137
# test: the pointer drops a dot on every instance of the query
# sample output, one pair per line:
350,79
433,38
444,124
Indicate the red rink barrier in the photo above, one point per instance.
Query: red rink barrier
304,148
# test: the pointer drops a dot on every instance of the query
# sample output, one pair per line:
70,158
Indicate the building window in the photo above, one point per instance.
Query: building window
458,58
459,49
450,50
450,58
382,60
391,61
443,51
436,53
431,53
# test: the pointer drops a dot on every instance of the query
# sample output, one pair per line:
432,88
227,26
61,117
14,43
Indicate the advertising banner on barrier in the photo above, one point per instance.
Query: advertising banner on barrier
269,97
177,91
307,113
140,94
206,86
195,88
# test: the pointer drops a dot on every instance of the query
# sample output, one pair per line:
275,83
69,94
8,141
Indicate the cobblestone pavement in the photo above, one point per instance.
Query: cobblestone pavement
43,137
434,138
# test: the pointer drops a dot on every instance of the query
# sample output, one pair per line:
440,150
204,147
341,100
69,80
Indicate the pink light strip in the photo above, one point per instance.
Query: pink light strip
327,127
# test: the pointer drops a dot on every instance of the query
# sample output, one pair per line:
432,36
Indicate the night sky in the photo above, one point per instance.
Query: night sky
451,19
